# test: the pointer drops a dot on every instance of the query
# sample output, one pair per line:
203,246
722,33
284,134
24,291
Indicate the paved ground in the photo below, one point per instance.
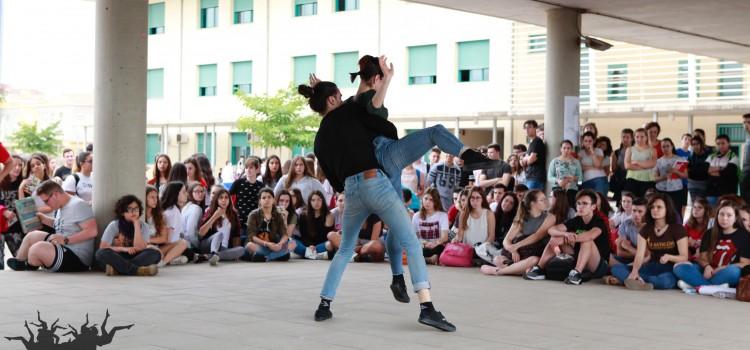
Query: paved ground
270,306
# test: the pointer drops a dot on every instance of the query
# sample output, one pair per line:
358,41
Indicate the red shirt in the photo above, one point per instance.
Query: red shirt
657,148
452,213
4,155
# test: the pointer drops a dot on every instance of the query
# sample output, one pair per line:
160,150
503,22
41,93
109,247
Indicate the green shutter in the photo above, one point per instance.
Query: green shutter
155,83
240,146
344,63
209,3
736,132
242,72
303,2
303,66
423,61
617,82
207,75
473,55
156,15
298,151
153,147
208,138
243,5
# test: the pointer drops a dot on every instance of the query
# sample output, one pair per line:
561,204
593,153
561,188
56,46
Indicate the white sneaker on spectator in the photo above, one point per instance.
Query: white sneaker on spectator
294,255
720,291
180,260
354,256
686,288
310,253
161,264
321,256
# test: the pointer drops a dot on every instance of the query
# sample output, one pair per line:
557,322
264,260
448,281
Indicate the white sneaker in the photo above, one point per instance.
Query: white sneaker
180,260
719,291
686,288
295,255
354,256
161,264
214,259
310,253
321,256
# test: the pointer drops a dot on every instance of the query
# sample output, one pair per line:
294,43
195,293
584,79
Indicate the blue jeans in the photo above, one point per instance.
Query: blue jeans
395,155
712,200
301,247
660,275
692,274
535,185
375,196
270,254
598,184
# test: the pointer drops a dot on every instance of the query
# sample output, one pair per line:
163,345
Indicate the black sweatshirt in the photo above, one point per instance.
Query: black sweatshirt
343,144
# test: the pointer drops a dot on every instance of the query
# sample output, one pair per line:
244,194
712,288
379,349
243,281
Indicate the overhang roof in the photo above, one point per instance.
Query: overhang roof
718,28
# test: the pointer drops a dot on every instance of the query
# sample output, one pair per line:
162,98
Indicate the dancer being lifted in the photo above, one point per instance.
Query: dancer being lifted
349,160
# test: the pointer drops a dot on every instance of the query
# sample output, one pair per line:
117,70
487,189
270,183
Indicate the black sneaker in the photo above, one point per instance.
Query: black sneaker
17,265
474,160
574,277
434,318
323,313
535,274
398,287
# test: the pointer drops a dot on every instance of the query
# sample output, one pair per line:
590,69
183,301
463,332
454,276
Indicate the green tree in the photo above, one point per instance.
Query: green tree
281,120
31,138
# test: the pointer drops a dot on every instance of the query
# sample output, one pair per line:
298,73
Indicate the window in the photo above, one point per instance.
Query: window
736,132
242,76
305,8
207,80
682,79
243,11
537,43
347,5
344,63
474,61
422,64
209,13
303,67
205,144
617,82
156,18
153,147
240,146
155,83
730,81
585,88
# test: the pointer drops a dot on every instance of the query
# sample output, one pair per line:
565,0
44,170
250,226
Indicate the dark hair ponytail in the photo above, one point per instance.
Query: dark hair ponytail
318,94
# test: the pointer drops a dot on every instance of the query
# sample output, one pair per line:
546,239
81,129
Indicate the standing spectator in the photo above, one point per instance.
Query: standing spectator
38,170
123,249
591,127
519,150
227,175
194,172
535,159
654,129
745,187
435,154
206,171
272,175
664,240
592,162
161,171
70,248
414,179
445,176
669,172
247,191
565,171
300,176
617,181
501,173
67,168
698,168
640,161
178,173
80,183
723,170
516,171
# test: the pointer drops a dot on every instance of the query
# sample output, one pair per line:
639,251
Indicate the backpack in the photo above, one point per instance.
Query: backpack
559,267
457,255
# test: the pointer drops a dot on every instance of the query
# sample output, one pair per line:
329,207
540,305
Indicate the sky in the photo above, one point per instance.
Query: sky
48,45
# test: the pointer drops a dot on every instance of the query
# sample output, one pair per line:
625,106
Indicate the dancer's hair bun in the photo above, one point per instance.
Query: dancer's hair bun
306,90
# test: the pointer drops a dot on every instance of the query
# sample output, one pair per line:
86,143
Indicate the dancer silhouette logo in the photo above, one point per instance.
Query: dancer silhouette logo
85,338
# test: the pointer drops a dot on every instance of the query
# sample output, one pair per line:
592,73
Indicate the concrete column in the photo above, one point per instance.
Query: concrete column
457,131
563,73
119,103
690,123
494,129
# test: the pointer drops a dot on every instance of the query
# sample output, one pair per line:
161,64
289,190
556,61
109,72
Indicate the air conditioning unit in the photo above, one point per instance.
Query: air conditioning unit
181,138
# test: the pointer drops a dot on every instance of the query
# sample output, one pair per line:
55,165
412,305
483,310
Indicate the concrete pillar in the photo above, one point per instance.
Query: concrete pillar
494,129
457,131
563,73
690,123
119,103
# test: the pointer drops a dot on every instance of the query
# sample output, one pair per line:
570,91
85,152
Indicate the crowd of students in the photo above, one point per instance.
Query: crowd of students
274,211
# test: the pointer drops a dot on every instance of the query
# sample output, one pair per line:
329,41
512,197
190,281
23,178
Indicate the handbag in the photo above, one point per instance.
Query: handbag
457,255
743,289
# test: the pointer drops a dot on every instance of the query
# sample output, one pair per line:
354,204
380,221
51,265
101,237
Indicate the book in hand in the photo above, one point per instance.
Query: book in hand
26,212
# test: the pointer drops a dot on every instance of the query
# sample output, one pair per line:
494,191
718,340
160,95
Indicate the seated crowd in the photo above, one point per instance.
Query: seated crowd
269,210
